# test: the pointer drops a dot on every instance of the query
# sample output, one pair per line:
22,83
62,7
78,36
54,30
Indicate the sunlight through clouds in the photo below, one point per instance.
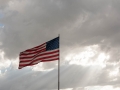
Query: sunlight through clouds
2,55
95,88
5,62
114,72
90,55
18,5
89,43
102,88
102,57
67,89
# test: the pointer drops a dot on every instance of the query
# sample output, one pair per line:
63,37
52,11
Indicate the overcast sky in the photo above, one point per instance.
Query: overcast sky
89,43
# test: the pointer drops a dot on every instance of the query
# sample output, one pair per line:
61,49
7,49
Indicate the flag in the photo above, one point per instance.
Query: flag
48,51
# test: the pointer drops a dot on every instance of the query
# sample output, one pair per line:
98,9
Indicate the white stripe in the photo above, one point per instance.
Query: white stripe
46,59
49,51
37,47
35,50
29,53
40,56
39,53
47,55
23,63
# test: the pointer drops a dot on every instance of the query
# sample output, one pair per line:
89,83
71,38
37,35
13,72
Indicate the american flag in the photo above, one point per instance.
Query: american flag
48,51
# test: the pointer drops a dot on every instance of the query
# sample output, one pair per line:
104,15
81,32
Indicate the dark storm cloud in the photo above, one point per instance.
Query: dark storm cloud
39,21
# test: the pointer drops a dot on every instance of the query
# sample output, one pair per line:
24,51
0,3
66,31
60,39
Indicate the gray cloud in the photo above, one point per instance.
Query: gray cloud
3,3
72,76
35,24
80,23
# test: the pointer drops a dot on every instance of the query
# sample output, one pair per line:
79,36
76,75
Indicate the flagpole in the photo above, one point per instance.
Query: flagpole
59,65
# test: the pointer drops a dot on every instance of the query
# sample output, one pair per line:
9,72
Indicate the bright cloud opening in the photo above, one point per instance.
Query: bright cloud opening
114,72
102,88
90,55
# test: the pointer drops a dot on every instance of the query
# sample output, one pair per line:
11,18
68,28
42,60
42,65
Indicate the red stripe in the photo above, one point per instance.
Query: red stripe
26,65
22,54
34,48
29,57
43,59
46,57
50,60
37,54
23,65
38,46
28,53
40,58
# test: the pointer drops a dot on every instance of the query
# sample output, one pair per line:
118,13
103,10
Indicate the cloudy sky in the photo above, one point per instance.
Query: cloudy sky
89,43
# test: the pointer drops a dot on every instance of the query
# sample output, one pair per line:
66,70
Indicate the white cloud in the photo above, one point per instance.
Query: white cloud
89,31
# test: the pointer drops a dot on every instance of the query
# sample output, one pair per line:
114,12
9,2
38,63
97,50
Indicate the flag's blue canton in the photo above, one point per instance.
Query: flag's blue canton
52,44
